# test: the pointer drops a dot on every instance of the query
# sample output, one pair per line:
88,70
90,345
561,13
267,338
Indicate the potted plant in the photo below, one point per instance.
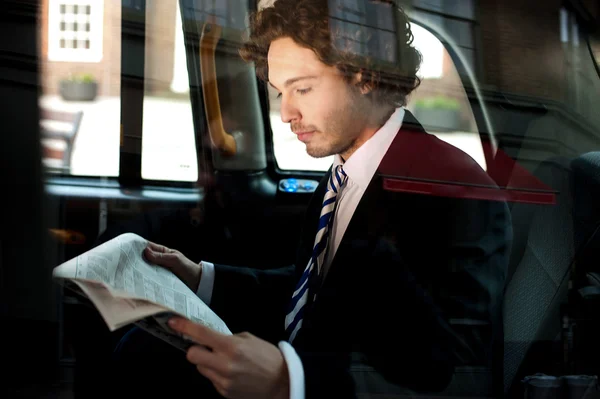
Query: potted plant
79,87
439,112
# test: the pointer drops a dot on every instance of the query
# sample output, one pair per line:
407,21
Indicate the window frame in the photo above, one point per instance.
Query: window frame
133,49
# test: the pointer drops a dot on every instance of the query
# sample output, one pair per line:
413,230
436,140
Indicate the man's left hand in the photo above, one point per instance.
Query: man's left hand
240,365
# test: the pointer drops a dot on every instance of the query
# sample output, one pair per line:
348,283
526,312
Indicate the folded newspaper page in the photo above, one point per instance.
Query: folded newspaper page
126,289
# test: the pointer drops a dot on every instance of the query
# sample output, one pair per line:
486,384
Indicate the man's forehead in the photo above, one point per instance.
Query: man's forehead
287,60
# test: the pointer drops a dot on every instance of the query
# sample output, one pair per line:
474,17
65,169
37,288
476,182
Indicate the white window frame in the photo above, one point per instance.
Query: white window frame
94,53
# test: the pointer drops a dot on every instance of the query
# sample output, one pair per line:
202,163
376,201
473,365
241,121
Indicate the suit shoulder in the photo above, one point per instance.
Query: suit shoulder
423,156
455,158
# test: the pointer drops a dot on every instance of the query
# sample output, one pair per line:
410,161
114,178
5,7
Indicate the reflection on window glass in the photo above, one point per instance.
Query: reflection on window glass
80,102
168,142
458,8
582,81
595,46
440,104
457,20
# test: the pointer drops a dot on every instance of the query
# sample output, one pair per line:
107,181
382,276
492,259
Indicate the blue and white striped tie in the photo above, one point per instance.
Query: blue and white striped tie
293,320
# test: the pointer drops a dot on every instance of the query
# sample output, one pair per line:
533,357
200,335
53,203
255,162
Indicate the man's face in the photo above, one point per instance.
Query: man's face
323,109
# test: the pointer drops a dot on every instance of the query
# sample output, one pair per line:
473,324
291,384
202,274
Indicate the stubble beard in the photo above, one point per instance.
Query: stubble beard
343,131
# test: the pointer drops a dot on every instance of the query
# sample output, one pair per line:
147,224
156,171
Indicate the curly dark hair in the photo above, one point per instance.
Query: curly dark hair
388,67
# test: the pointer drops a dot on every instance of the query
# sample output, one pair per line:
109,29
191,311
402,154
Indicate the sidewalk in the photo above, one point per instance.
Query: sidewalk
168,145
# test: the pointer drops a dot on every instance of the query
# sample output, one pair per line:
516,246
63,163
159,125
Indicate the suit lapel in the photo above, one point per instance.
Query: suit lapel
374,215
374,210
366,225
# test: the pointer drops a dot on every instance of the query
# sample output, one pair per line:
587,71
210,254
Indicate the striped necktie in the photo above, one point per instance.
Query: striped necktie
293,320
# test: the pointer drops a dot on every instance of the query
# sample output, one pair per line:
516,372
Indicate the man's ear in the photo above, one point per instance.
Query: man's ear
364,85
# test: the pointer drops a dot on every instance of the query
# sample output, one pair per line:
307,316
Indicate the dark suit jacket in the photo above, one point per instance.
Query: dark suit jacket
415,288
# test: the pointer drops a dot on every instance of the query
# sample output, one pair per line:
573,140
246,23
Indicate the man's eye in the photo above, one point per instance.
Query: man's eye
303,91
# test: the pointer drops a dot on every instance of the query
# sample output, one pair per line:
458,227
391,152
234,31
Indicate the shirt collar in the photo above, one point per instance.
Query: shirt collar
363,163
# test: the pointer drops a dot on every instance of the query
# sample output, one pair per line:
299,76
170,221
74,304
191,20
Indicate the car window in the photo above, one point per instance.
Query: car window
582,87
81,58
595,48
459,20
499,255
168,142
440,104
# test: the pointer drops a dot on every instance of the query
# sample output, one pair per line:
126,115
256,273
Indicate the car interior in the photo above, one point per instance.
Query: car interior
234,173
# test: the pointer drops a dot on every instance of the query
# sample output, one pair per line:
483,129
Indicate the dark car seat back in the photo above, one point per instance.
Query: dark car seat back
586,210
549,242
537,278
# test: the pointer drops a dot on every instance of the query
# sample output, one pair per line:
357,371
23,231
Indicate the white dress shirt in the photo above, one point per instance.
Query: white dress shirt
360,169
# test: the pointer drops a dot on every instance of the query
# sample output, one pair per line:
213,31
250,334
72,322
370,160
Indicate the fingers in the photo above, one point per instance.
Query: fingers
158,248
199,333
213,367
203,358
209,365
161,255
221,384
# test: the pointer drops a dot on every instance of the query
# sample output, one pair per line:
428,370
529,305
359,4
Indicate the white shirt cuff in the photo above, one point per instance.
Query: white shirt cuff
295,370
207,281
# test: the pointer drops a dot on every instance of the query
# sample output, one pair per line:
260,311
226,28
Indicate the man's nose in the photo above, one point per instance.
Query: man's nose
289,111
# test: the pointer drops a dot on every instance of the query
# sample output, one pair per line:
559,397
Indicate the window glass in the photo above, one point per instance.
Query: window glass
168,142
535,271
595,47
458,8
80,54
582,78
459,31
440,104
81,91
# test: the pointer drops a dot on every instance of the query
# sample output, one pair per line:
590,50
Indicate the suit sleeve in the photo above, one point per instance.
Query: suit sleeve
253,300
256,301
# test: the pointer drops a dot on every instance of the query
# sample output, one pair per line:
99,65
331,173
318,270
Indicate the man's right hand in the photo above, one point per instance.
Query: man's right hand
173,260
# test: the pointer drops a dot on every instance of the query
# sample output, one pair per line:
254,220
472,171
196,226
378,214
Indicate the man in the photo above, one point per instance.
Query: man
409,285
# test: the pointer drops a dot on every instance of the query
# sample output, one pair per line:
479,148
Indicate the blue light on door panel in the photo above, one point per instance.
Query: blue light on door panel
293,185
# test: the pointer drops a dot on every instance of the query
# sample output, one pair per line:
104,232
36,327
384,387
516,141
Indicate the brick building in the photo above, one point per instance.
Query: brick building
94,28
522,48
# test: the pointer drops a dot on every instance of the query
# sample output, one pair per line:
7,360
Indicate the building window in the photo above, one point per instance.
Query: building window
580,70
75,30
457,18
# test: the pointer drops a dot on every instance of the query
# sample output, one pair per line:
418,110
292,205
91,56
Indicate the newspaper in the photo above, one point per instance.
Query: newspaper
126,289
